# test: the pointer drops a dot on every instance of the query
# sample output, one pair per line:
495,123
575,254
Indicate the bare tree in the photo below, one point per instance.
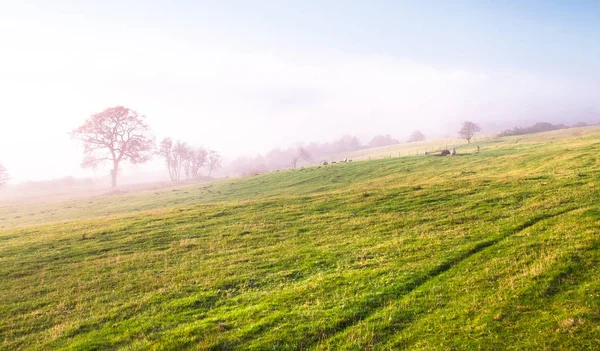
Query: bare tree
301,154
468,130
182,159
198,158
4,177
166,151
183,153
178,159
416,136
214,160
114,135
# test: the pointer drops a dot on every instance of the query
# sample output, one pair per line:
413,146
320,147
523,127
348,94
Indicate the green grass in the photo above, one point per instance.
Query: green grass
496,250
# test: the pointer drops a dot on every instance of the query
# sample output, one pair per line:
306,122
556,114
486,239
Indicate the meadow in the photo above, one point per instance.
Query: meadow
497,249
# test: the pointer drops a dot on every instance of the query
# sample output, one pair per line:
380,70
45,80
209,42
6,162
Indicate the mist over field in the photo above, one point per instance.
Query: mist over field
244,79
299,175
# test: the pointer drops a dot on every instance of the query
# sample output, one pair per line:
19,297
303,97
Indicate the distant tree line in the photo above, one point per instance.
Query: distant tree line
387,140
382,140
288,158
119,134
279,158
536,128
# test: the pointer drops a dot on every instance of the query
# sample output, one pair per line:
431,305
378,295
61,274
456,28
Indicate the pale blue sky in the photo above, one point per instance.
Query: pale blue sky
556,37
559,37
545,36
246,76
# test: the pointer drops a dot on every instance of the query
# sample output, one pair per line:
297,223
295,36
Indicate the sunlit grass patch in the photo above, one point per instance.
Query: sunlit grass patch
496,250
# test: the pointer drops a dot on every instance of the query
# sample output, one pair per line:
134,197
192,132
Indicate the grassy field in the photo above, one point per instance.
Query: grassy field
491,250
408,149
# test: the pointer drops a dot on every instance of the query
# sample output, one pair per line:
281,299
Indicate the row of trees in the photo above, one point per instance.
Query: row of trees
469,129
283,158
274,159
119,134
183,160
386,140
382,140
536,128
278,158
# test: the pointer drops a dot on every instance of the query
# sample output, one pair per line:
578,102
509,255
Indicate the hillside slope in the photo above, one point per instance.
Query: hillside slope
495,250
549,154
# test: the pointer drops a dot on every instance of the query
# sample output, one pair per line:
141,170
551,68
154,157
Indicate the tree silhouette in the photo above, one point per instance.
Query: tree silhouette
382,140
214,160
468,130
300,154
114,135
197,159
416,136
171,158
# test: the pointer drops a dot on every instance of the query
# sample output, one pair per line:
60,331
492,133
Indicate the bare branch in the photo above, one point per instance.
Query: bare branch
468,130
114,135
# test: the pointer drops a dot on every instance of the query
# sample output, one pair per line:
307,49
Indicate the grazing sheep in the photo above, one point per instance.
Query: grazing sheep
445,153
453,152
324,163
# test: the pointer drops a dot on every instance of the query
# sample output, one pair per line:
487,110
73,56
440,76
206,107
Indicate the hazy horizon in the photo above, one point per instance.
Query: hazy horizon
244,78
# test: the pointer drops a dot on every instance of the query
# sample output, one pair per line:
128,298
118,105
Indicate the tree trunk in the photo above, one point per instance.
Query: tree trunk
113,175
